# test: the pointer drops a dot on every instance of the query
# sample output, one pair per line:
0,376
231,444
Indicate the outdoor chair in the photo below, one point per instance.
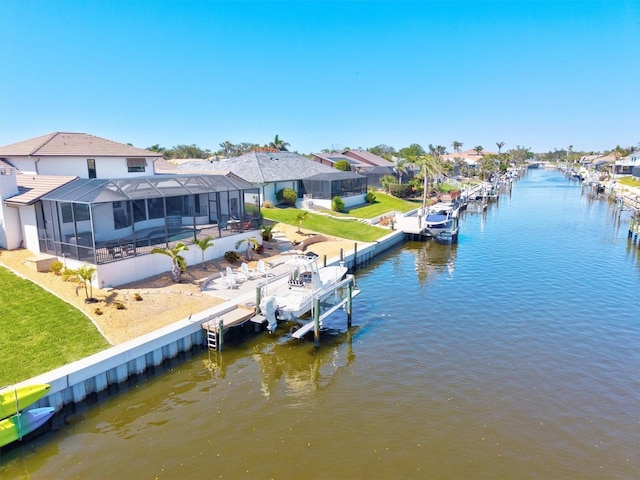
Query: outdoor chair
126,247
262,269
113,249
246,272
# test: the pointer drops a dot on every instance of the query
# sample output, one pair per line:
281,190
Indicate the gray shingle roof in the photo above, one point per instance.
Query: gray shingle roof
264,167
73,144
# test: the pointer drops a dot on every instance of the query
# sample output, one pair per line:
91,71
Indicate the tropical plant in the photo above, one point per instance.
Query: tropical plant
266,232
457,146
204,243
178,262
500,145
252,246
386,181
301,217
478,149
83,274
402,165
279,144
429,168
231,256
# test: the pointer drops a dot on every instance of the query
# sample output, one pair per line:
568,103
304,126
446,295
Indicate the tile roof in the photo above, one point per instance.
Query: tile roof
72,144
264,167
34,187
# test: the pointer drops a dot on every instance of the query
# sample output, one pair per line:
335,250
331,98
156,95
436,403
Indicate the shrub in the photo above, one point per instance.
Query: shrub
343,165
370,197
56,267
267,204
137,297
337,204
97,311
400,190
287,196
120,306
231,256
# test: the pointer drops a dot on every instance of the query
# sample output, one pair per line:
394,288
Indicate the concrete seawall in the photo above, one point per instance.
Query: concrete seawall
101,373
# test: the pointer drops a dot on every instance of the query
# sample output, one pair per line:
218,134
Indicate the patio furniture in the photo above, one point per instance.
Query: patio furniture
126,247
113,249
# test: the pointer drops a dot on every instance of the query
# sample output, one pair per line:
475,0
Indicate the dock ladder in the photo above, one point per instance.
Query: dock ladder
215,334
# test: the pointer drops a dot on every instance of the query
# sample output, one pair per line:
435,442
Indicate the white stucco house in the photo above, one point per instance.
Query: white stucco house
86,199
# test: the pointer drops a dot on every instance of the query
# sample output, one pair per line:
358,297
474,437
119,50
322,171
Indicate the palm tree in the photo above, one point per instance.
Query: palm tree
429,168
457,146
204,243
178,263
301,217
252,244
402,164
478,149
85,274
500,145
279,144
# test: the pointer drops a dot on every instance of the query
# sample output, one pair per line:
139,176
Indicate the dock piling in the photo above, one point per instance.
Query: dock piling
316,322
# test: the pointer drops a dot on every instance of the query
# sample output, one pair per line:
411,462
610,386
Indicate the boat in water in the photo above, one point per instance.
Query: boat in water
442,219
306,282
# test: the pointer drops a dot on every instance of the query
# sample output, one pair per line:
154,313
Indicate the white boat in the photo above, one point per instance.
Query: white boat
306,281
441,218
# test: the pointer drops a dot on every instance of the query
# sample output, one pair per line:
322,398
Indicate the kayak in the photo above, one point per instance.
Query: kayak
19,425
26,396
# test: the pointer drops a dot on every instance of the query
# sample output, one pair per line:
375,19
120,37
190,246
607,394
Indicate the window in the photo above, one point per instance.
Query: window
74,211
156,207
91,167
136,165
121,218
139,211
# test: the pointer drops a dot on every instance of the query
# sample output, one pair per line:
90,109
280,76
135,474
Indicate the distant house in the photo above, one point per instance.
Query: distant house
110,204
625,165
471,157
361,161
274,171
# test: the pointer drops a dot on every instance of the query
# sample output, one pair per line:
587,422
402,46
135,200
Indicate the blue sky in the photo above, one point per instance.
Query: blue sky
541,74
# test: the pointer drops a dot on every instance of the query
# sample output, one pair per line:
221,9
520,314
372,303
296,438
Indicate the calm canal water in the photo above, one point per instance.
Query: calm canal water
513,354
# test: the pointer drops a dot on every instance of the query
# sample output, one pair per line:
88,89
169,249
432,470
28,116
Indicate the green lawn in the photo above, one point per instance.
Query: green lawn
351,229
383,205
40,332
629,181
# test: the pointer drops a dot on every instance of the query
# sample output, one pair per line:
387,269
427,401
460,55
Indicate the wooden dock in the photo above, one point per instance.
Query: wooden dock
236,316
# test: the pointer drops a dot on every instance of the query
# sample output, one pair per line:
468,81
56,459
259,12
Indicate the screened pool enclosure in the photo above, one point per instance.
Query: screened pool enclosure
332,184
105,220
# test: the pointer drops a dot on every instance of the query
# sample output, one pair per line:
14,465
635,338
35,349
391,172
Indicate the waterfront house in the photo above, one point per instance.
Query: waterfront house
625,166
110,204
360,161
271,172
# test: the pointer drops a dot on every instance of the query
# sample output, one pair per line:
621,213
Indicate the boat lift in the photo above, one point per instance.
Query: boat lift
315,324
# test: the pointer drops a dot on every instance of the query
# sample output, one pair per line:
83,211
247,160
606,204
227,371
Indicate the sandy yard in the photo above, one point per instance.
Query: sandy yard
162,301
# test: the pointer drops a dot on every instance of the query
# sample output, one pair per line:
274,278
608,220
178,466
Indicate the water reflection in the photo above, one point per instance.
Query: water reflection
301,370
433,258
